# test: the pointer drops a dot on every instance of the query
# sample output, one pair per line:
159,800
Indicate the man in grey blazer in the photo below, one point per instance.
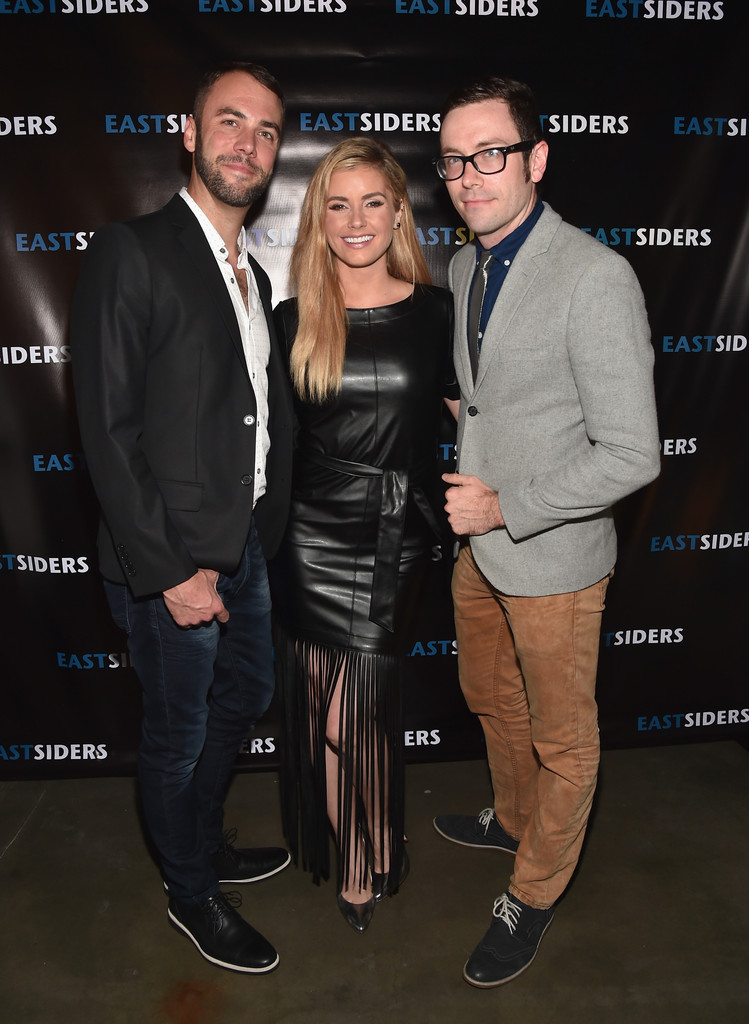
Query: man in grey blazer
185,416
557,423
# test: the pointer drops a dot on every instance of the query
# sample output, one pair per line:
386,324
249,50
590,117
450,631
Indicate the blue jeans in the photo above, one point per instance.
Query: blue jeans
203,690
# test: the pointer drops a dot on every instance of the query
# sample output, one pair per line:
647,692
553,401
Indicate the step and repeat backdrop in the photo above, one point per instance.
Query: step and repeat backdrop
645,106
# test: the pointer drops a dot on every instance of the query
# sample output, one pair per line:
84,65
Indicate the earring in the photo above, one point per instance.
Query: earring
398,224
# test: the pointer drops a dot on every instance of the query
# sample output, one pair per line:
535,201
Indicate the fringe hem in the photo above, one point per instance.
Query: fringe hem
368,741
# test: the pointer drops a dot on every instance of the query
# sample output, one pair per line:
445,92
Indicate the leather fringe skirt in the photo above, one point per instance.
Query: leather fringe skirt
346,703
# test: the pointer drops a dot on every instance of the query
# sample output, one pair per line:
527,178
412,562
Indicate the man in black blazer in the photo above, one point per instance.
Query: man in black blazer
185,417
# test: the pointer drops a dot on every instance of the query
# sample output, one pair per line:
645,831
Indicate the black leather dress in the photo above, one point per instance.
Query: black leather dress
365,514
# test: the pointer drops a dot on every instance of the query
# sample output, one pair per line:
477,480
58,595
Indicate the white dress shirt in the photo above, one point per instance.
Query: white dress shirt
252,328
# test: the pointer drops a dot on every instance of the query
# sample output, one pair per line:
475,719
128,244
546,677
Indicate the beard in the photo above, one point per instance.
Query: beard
239,195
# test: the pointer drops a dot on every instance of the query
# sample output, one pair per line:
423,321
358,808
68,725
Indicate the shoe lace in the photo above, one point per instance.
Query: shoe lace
216,907
507,911
486,817
227,846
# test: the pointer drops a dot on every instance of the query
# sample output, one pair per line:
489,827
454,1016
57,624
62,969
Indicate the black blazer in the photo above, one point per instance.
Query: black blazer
166,410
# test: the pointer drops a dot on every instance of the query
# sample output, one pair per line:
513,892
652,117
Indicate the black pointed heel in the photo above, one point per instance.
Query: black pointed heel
358,915
380,886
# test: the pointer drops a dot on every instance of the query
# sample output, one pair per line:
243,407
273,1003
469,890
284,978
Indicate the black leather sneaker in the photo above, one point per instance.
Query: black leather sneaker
247,865
222,936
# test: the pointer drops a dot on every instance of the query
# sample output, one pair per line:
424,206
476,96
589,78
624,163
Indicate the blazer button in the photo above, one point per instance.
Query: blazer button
472,410
246,480
248,420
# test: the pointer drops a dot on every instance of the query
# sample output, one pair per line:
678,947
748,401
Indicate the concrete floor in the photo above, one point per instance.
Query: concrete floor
653,929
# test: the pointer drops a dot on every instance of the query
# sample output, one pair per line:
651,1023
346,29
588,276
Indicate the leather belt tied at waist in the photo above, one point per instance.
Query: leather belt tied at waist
392,518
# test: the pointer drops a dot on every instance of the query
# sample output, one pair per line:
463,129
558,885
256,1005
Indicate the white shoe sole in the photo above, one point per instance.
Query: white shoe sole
473,846
256,878
248,881
503,981
214,960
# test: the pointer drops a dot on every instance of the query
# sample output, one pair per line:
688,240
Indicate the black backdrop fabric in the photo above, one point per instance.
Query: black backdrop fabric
645,106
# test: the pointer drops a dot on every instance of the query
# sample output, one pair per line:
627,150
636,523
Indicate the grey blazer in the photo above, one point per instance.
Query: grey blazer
561,421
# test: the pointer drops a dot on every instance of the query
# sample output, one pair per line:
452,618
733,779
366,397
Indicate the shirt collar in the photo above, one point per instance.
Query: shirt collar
508,248
215,240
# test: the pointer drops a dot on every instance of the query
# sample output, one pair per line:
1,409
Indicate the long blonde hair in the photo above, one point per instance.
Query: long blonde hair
320,345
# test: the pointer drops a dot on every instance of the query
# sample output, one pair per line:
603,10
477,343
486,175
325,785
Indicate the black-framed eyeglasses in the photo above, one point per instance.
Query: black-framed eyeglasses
486,161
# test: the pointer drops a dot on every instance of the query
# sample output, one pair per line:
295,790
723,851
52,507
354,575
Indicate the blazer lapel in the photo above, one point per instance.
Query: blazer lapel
463,269
191,237
519,279
265,295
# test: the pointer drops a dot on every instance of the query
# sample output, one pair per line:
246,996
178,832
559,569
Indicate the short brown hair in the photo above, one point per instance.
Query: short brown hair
257,71
517,95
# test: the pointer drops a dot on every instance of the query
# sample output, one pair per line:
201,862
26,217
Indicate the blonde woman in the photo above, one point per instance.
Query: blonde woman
369,343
